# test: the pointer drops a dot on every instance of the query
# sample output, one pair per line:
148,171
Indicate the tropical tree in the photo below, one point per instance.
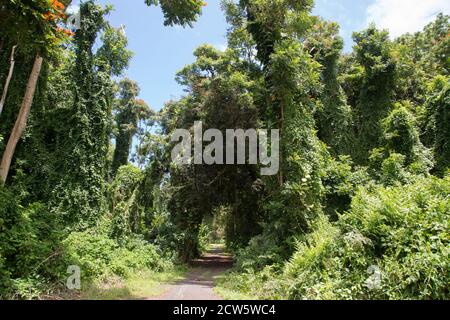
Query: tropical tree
373,53
129,111
43,20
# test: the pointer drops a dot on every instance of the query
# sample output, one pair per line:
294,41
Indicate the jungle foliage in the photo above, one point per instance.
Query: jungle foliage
364,180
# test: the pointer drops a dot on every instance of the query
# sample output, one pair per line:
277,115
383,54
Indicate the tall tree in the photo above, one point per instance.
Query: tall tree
333,117
438,122
296,87
43,20
183,13
373,53
288,97
180,12
129,111
79,196
8,78
222,98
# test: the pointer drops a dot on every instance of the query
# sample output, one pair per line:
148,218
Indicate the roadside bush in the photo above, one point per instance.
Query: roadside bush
126,214
29,246
34,259
10,220
261,251
341,181
328,264
400,231
204,236
91,252
408,227
99,256
393,243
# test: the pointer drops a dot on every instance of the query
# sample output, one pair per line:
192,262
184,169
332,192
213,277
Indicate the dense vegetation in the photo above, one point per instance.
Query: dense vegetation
364,181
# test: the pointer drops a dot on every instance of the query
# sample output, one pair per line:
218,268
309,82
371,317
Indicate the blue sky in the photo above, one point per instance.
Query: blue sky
161,51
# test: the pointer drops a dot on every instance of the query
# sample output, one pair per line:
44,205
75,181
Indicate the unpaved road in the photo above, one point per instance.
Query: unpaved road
200,278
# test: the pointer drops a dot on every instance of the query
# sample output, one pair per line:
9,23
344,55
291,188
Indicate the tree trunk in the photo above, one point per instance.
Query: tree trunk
21,122
8,79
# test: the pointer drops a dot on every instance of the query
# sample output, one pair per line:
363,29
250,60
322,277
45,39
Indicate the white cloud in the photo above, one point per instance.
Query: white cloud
74,7
221,46
402,16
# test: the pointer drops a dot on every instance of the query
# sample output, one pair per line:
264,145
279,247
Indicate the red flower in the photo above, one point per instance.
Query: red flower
49,16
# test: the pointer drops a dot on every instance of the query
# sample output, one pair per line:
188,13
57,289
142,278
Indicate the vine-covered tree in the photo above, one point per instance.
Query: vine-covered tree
129,110
333,117
181,12
37,24
437,119
79,196
373,53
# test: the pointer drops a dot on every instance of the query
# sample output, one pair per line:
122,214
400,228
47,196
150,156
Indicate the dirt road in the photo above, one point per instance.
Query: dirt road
200,278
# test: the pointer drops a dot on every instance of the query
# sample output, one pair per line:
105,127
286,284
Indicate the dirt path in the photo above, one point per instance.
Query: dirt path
200,278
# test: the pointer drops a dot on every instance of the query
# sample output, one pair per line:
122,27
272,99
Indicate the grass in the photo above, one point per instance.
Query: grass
144,284
147,284
221,291
228,294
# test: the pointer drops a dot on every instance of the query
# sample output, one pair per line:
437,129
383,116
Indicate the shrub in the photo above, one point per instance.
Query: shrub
204,236
393,243
329,264
409,229
10,218
125,211
91,252
403,231
341,182
99,256
393,171
261,251
29,246
33,258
